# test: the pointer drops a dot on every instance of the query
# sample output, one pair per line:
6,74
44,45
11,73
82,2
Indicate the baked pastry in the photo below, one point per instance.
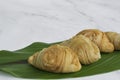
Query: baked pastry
56,58
99,38
114,39
87,51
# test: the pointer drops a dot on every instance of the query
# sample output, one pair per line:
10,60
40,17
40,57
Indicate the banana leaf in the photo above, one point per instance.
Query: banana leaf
15,63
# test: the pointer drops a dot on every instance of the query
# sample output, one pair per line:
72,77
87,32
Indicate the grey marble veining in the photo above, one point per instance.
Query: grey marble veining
23,22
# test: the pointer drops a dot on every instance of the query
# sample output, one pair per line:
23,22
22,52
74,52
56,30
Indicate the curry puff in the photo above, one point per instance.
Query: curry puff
57,59
99,38
87,51
114,37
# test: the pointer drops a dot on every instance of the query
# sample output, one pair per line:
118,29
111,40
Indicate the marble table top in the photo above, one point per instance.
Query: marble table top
23,22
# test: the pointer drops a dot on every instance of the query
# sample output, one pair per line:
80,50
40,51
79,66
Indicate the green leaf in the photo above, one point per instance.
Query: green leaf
22,54
15,63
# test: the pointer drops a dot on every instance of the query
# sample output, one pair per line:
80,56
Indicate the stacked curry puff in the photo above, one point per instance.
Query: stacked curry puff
83,48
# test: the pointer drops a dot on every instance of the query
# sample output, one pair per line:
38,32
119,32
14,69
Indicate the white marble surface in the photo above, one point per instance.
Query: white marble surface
25,21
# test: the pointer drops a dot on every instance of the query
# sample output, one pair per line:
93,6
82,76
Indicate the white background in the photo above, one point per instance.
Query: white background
23,22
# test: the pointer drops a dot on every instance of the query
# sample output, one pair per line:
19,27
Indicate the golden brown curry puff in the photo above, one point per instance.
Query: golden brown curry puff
56,58
115,39
87,51
99,38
